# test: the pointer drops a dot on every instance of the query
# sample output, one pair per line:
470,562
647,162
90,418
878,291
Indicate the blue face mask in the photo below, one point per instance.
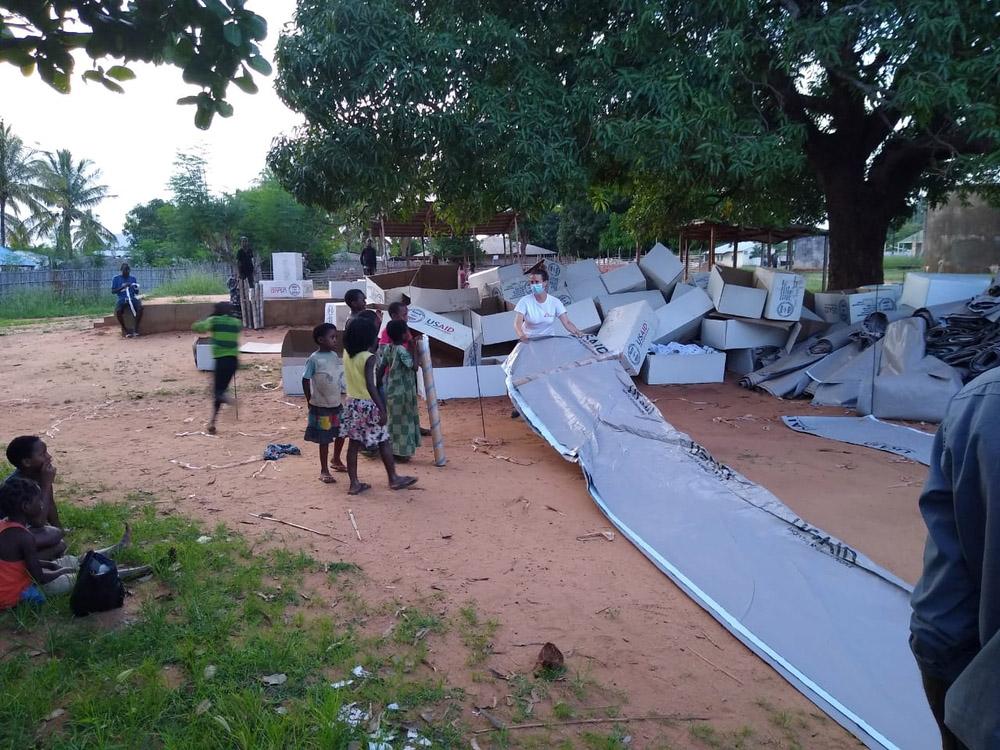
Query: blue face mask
538,288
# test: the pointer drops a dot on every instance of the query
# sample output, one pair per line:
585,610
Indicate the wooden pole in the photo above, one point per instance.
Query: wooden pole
736,253
790,253
430,395
826,257
711,246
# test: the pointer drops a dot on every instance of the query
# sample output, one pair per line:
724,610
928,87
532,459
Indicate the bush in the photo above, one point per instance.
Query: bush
189,286
30,304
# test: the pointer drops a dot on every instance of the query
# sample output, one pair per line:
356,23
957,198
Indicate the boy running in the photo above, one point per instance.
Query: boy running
225,331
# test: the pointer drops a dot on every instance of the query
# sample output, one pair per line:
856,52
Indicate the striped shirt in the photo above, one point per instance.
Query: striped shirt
225,330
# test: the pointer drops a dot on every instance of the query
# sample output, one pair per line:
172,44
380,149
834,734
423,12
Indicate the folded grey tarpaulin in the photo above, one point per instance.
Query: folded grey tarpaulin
827,618
868,432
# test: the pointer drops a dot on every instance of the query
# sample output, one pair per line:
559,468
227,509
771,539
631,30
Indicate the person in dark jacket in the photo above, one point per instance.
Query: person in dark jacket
956,602
369,258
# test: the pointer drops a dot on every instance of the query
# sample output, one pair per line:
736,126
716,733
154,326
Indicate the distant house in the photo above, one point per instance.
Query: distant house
14,260
495,246
911,245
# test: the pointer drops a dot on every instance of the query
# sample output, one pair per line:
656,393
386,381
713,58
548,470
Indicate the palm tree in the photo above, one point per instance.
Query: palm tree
69,191
18,190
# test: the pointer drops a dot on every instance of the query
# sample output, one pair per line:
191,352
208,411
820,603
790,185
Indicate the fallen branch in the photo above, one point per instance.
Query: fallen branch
260,470
199,432
233,465
289,403
716,666
266,517
574,722
480,445
354,523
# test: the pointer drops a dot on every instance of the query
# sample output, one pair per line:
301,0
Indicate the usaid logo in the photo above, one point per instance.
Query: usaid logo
294,290
632,353
785,310
643,333
439,325
416,315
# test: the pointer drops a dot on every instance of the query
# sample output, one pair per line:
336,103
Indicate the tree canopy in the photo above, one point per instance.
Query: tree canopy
779,110
214,42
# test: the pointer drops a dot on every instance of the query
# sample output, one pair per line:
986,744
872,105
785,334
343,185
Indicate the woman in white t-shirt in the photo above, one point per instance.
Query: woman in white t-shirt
538,312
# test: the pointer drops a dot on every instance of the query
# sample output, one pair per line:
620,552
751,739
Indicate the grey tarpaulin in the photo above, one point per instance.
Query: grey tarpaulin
828,619
868,432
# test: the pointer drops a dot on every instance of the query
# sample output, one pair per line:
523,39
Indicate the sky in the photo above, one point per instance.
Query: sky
133,137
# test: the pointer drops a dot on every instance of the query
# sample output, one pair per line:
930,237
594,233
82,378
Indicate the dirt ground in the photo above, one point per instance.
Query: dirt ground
501,534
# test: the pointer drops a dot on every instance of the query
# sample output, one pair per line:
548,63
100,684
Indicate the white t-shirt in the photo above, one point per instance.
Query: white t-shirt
539,317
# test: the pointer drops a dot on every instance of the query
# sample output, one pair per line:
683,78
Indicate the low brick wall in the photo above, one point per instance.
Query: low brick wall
180,316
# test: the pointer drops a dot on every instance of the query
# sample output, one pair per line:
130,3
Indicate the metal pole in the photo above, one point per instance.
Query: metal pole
430,394
790,253
826,257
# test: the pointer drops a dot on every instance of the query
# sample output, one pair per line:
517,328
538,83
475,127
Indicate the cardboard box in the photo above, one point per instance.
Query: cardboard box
741,361
727,333
680,320
629,331
494,329
627,278
466,382
295,350
286,266
661,268
203,359
609,302
700,280
929,289
430,287
733,292
459,316
336,313
666,369
850,306
680,289
586,289
337,289
555,271
581,272
785,292
455,336
892,291
481,280
583,315
286,289
512,291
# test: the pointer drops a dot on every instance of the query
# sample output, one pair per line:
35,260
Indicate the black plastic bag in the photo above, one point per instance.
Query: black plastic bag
98,586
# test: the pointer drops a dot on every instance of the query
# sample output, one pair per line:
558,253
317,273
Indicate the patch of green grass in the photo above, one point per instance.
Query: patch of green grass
416,625
183,666
27,305
706,734
562,711
476,635
613,741
335,569
192,285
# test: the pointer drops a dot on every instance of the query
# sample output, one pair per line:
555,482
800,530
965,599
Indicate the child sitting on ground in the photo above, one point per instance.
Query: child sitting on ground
29,455
21,570
225,331
321,384
364,417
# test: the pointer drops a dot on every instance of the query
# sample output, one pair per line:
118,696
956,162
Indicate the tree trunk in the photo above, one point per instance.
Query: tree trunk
857,241
3,222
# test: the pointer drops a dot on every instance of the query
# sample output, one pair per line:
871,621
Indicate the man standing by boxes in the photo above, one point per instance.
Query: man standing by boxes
955,628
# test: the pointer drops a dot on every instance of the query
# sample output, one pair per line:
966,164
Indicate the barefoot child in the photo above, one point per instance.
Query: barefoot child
356,303
397,374
22,572
225,331
364,416
321,385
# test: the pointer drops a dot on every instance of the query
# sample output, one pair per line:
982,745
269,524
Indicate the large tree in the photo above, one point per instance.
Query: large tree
68,191
497,104
18,190
214,42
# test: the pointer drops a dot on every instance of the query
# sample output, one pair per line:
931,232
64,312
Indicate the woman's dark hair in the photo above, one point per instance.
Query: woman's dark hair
14,493
321,330
396,330
20,448
361,333
540,271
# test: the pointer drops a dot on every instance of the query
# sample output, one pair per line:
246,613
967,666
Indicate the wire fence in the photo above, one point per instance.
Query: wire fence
92,280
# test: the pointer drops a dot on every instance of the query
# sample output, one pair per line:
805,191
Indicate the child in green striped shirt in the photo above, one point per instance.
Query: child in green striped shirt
225,332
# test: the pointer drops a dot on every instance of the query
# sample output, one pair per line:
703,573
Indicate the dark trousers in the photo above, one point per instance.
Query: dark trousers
936,690
225,371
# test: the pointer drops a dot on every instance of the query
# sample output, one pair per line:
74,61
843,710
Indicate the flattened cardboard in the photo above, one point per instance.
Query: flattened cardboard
668,369
727,333
928,289
583,315
430,287
785,293
661,268
286,266
628,331
286,289
733,292
627,278
680,320
609,302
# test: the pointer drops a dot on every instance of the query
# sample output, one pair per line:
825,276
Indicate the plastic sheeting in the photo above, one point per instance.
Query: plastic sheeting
827,618
868,432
